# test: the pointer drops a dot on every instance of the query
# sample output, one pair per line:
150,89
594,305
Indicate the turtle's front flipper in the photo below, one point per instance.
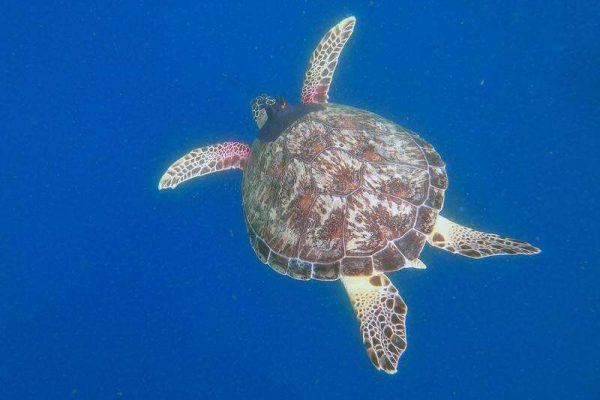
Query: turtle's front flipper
382,313
458,239
205,160
324,60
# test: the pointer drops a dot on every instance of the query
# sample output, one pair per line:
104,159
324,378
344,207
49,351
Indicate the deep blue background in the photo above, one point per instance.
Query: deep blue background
110,289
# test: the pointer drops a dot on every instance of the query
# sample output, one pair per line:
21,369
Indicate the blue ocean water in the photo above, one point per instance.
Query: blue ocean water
110,289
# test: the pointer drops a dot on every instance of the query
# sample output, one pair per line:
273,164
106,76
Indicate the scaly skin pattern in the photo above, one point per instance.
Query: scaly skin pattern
382,315
468,242
205,160
342,192
324,60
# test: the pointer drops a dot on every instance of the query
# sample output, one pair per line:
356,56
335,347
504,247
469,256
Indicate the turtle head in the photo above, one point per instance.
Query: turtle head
273,115
265,108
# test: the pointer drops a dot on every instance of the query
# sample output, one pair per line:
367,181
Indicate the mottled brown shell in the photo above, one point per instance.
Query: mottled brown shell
342,192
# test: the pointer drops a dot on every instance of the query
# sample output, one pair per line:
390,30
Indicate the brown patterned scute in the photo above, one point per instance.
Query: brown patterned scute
371,137
432,156
373,219
326,272
260,186
308,138
356,266
289,213
294,267
346,117
379,147
436,198
336,172
279,263
425,219
299,269
401,149
403,181
438,177
388,259
411,244
262,250
358,143
341,116
323,237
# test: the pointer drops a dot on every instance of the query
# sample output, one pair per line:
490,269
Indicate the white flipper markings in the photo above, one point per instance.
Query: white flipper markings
205,160
468,242
382,315
323,61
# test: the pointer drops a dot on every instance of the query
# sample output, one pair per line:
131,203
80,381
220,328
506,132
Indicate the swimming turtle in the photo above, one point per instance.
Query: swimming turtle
334,192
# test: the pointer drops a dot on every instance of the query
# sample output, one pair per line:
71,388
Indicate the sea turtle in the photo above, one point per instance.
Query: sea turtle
334,192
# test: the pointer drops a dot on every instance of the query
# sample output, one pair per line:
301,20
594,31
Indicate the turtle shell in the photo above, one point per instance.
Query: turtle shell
342,192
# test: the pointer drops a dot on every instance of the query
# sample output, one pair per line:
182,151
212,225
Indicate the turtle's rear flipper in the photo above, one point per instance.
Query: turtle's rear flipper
205,160
382,313
458,239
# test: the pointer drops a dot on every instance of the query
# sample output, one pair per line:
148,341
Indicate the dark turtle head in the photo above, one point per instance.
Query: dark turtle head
273,115
266,108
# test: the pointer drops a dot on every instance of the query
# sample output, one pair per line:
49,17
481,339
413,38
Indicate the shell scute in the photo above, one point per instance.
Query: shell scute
398,180
411,244
425,219
388,259
279,263
336,172
402,149
379,148
358,143
356,266
342,117
289,213
326,272
262,185
432,156
299,269
310,139
263,251
324,237
435,198
373,219
438,177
